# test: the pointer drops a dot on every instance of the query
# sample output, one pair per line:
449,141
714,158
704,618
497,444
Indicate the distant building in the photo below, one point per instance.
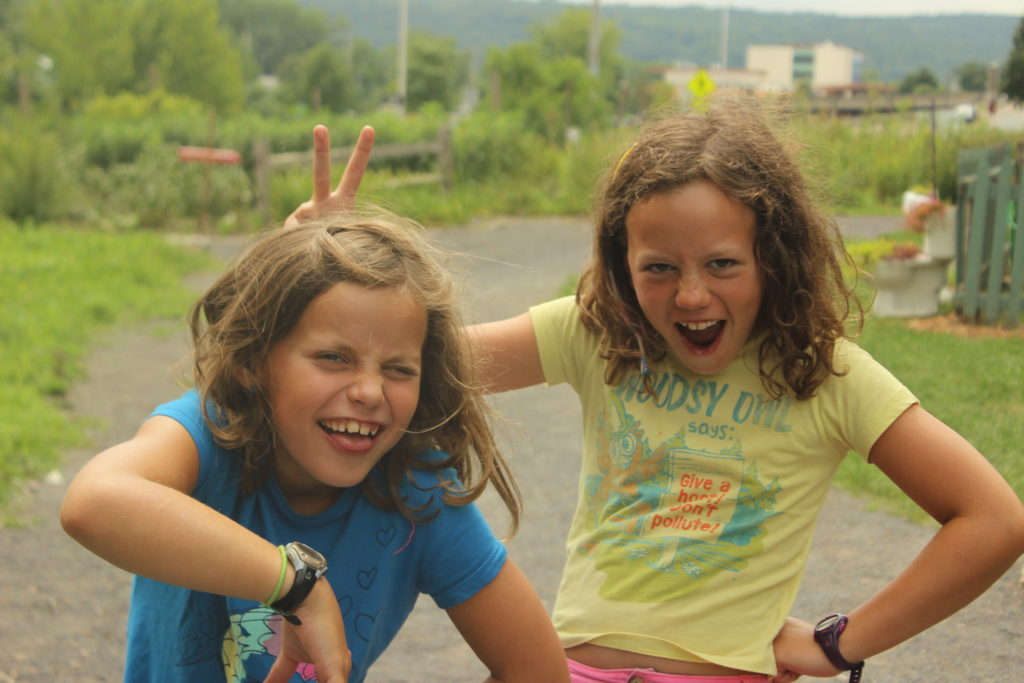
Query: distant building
821,67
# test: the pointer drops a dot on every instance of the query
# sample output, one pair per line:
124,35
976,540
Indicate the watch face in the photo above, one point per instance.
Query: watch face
309,557
828,623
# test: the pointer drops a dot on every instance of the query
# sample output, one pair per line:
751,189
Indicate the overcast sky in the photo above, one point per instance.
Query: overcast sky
857,8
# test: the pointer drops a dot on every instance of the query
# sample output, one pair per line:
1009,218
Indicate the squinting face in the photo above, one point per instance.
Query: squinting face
343,386
691,260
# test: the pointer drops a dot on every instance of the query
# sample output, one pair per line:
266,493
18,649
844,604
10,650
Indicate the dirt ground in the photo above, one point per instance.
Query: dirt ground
64,609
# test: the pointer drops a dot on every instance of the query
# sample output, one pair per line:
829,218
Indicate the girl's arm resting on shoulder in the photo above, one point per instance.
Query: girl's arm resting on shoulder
131,506
507,353
508,628
981,536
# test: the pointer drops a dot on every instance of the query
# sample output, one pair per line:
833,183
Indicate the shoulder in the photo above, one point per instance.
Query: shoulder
187,411
562,312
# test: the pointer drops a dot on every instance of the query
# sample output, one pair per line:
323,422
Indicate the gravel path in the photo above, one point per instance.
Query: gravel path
64,609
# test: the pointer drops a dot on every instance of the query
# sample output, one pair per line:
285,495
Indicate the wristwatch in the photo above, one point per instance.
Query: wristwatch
826,635
309,566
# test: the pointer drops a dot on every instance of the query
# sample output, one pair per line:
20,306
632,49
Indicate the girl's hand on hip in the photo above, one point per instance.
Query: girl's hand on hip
320,640
324,201
797,654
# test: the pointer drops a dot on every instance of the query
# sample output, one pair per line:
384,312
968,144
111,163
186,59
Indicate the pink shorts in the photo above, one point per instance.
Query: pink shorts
581,673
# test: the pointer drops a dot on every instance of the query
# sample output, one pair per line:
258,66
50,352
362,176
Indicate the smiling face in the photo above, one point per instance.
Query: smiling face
690,253
343,386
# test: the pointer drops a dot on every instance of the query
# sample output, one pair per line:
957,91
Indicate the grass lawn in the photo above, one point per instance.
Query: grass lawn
61,286
969,378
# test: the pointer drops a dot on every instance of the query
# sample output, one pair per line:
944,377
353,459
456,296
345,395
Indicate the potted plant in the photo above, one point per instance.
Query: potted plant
908,282
931,217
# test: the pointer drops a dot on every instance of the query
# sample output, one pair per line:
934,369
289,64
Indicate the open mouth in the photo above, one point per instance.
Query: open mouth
351,434
702,335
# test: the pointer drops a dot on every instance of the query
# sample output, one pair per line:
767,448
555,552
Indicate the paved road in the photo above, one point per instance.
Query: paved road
64,609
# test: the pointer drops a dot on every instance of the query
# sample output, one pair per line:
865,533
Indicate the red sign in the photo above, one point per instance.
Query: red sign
209,155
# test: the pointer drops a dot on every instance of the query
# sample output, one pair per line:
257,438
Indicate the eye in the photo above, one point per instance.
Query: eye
657,268
402,371
721,263
331,357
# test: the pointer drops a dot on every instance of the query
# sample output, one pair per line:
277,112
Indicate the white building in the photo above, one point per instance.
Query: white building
820,66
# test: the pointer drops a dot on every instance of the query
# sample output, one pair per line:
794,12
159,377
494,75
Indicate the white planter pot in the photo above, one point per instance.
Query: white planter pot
909,288
940,236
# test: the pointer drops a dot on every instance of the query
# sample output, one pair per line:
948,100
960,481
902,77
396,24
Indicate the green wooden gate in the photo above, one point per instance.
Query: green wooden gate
989,248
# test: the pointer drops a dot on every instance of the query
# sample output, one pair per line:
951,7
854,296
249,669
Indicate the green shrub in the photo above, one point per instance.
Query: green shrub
492,145
34,179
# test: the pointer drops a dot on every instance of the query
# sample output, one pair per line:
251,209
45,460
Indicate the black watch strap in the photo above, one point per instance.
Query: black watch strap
826,634
304,580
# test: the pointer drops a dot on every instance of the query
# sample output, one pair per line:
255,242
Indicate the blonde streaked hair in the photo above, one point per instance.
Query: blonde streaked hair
259,299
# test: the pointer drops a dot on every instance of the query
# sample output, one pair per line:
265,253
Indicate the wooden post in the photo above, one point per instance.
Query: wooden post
997,245
261,177
980,190
446,157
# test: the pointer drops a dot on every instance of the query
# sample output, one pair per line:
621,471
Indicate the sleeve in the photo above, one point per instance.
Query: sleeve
218,470
870,393
566,348
459,554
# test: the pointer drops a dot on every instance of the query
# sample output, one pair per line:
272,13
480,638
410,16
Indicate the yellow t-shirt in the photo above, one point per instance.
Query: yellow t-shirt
696,507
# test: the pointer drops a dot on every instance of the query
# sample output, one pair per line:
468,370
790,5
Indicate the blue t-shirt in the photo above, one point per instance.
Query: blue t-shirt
378,564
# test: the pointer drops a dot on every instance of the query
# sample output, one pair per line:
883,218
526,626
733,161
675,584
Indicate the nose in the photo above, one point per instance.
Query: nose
367,388
692,292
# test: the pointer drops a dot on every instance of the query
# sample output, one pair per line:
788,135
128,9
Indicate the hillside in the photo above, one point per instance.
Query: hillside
893,46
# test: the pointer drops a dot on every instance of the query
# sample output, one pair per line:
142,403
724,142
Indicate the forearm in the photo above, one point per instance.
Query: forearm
149,529
964,558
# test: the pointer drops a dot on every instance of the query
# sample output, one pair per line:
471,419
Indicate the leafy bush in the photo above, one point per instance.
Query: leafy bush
34,179
158,191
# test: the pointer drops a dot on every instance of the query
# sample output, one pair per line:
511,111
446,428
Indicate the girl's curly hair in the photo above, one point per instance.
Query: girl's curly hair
806,301
257,301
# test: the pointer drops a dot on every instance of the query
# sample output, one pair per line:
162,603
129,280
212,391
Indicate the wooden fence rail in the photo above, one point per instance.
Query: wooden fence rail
990,248
265,163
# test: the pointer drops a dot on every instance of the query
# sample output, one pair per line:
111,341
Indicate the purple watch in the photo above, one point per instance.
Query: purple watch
826,635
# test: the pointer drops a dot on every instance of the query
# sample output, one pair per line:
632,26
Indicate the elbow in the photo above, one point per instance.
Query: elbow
74,516
1016,530
81,512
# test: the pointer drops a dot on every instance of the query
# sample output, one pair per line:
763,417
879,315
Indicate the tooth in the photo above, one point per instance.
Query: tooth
364,430
352,427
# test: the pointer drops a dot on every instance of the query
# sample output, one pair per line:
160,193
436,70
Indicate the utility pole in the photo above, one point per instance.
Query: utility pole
724,56
403,52
594,45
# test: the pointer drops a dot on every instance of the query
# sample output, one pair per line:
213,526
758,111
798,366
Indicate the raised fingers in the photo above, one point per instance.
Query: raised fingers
348,186
321,164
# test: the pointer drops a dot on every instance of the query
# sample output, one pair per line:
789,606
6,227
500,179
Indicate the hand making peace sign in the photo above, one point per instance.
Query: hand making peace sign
324,201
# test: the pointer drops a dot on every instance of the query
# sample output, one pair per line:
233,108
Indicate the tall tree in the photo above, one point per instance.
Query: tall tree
549,78
91,52
922,80
568,35
972,76
182,48
1013,72
320,77
437,71
272,30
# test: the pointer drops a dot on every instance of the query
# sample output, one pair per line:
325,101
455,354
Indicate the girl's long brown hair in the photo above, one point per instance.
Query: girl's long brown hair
257,301
806,301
